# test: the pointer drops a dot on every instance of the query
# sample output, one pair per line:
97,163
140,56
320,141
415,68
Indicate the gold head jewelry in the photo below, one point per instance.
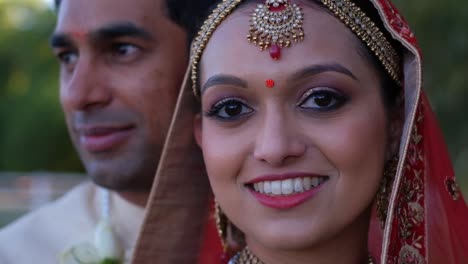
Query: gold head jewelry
209,26
274,34
353,17
275,25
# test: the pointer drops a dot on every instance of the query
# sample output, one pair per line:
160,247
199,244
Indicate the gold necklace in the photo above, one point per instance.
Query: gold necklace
247,257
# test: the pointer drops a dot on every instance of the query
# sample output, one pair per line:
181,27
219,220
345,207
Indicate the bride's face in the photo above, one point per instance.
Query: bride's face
299,163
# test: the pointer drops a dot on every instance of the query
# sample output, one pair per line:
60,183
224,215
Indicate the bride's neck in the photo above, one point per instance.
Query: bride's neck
349,246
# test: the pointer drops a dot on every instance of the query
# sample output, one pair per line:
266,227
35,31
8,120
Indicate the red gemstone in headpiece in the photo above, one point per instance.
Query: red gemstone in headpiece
270,83
278,8
275,52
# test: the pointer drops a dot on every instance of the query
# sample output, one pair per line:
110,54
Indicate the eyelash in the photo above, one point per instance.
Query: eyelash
118,47
67,59
214,111
332,98
338,98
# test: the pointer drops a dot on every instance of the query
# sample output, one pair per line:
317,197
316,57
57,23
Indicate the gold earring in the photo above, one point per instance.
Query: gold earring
385,189
231,237
221,225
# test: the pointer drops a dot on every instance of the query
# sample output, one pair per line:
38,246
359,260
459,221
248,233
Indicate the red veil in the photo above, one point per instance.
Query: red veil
426,214
427,219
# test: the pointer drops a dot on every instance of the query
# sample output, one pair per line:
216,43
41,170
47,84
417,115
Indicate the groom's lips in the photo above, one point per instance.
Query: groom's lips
97,138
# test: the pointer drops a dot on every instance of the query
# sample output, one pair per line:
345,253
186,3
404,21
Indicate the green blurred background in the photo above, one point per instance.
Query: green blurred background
33,136
32,131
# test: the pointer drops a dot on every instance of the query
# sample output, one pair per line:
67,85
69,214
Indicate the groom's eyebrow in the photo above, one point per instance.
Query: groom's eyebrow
106,33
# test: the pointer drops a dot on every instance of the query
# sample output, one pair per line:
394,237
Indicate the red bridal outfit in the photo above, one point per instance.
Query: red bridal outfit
427,219
427,215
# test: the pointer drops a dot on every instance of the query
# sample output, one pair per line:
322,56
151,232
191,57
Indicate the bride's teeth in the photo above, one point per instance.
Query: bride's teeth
307,183
267,187
314,182
298,185
276,187
287,186
260,187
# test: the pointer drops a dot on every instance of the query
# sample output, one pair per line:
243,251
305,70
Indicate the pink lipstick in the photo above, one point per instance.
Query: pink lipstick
286,191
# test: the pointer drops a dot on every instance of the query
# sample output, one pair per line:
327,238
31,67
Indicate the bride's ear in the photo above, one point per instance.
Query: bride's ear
197,129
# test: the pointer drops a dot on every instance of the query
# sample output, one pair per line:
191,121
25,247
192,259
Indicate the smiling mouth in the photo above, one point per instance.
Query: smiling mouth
287,187
104,139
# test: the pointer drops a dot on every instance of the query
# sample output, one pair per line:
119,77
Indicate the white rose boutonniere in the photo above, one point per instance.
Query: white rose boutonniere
105,249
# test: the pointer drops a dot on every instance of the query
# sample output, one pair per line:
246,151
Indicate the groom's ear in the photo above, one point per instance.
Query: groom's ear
197,129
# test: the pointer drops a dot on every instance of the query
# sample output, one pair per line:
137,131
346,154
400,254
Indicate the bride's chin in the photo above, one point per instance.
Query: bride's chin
281,241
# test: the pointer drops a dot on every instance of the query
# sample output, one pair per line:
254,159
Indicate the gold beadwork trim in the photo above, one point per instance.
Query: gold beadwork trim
369,33
247,257
346,11
209,26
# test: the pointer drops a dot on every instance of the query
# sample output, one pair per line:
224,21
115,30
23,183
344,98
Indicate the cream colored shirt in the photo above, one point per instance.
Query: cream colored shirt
42,235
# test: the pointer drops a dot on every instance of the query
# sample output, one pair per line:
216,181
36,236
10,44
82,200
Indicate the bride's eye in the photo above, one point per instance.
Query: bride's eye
229,108
322,99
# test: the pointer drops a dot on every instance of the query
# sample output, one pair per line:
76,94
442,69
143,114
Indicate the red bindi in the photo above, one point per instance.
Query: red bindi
79,34
270,83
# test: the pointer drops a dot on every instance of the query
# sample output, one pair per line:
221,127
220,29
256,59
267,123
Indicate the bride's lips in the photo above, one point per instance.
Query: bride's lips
97,139
287,190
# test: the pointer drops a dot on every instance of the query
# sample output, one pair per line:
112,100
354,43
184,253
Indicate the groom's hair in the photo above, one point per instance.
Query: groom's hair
188,14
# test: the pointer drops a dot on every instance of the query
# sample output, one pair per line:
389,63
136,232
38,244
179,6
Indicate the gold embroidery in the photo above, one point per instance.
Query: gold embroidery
453,188
410,255
410,208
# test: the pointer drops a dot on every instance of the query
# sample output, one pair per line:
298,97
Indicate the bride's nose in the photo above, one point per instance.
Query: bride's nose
278,140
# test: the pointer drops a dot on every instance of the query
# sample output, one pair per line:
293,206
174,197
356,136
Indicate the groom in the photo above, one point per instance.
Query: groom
121,65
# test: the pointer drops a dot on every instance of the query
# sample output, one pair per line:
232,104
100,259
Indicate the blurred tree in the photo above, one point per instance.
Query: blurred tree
440,27
33,135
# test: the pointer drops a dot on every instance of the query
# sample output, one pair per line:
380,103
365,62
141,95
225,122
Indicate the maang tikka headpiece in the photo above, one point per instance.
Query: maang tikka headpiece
278,24
275,25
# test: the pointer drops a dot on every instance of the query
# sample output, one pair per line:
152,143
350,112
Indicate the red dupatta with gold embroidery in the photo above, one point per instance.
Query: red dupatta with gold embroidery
427,214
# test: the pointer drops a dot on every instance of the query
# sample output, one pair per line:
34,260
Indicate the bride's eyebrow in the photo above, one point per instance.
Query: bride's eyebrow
223,79
321,68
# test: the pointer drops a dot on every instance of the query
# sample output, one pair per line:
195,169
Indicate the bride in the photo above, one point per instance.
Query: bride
318,140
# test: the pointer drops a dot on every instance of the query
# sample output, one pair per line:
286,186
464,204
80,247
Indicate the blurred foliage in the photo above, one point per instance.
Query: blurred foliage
32,131
440,27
